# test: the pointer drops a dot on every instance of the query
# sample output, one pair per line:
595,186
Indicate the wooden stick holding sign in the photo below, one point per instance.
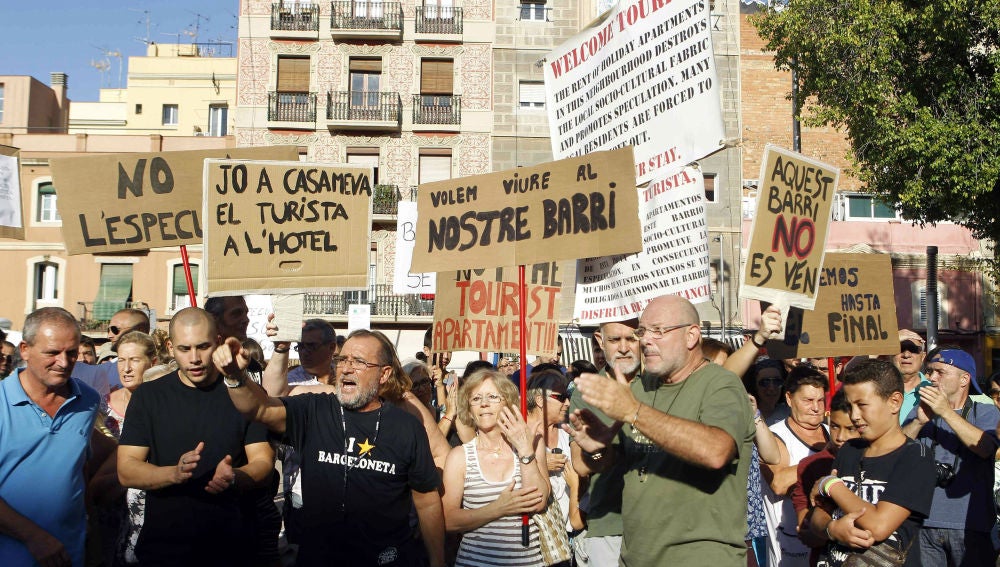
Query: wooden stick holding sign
187,276
522,320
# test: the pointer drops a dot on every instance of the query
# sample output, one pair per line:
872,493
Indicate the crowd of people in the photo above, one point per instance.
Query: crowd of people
185,447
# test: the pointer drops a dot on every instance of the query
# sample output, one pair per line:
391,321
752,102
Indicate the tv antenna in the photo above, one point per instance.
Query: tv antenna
102,66
193,33
149,24
111,53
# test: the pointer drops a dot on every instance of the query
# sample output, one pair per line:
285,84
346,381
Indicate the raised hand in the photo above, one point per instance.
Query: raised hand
589,431
230,357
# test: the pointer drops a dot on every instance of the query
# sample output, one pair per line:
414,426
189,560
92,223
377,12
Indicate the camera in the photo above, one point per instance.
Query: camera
945,474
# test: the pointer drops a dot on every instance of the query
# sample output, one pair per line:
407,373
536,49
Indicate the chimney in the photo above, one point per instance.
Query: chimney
59,84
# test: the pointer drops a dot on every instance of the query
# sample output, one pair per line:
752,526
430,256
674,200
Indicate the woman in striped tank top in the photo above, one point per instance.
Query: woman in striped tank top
496,477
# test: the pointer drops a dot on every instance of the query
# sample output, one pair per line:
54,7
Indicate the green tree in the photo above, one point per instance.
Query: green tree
915,86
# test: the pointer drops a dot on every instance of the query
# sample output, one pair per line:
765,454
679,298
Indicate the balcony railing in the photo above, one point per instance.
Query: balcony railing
366,15
383,302
386,198
295,17
291,107
438,20
437,109
363,106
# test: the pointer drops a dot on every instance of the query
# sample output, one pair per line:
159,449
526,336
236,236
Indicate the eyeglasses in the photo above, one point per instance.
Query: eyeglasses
115,329
489,399
657,333
299,347
561,398
769,383
355,363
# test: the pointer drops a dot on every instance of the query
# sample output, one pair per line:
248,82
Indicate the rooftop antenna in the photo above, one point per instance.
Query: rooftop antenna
102,66
197,26
112,53
146,20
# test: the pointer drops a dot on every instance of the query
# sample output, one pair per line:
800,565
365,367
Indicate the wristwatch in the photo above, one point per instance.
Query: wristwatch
526,460
238,381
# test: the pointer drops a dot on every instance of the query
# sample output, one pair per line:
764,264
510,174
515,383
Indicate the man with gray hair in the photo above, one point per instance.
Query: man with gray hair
46,423
316,350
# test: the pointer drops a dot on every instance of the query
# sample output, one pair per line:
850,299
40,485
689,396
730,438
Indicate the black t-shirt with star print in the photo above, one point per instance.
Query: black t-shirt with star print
365,518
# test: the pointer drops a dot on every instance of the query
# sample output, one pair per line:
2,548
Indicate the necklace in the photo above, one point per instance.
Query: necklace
354,461
492,451
645,440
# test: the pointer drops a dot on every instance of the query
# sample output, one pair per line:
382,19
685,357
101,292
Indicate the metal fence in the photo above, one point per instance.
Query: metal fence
295,17
437,109
380,297
363,106
291,107
366,15
438,19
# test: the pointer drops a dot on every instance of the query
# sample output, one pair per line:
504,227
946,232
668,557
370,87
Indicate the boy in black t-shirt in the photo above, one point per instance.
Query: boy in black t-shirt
882,484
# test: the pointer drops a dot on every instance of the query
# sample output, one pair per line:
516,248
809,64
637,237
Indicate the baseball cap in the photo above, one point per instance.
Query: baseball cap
961,360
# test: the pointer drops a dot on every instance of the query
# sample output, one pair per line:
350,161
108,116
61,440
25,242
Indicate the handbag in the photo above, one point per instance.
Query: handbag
882,554
552,538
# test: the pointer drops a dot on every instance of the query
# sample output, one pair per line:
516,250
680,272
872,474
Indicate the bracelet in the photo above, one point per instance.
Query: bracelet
753,340
448,418
595,456
827,530
636,416
826,483
281,350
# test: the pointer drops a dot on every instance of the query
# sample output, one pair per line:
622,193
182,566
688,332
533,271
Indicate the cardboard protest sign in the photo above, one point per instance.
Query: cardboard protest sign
286,225
644,76
478,310
404,281
789,230
855,312
11,212
674,258
130,202
572,208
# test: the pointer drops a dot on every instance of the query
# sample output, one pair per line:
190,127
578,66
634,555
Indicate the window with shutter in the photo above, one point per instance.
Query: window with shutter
434,167
293,74
531,94
437,76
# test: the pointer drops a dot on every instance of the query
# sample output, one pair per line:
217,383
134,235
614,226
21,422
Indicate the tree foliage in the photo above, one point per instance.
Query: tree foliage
915,86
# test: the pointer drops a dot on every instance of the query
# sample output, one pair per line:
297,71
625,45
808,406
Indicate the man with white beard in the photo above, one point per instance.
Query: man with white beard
365,463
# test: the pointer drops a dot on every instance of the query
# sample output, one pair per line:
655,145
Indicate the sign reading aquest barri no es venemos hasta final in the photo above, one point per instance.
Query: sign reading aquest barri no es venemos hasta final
789,231
855,312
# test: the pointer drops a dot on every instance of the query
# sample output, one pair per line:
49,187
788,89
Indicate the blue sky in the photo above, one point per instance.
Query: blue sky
38,37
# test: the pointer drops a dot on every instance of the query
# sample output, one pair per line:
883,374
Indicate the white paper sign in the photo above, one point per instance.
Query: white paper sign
404,281
10,192
674,259
359,316
644,76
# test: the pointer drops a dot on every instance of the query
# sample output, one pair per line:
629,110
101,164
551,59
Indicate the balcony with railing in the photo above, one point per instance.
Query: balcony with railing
366,19
358,110
386,198
295,20
384,303
437,112
291,110
438,23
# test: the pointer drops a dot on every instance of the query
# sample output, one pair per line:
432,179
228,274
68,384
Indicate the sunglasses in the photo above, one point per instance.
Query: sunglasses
769,383
115,329
561,398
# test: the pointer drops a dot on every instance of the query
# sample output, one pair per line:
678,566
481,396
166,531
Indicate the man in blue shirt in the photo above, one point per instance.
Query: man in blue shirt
46,423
